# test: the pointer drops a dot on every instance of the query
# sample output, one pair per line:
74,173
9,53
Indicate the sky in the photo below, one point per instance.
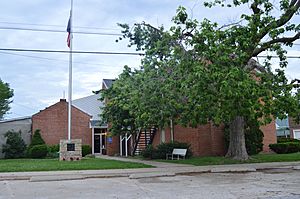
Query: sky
41,79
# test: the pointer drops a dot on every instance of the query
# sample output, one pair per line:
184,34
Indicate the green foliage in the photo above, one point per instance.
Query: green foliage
86,149
5,94
38,151
253,138
15,146
148,152
285,147
36,139
53,151
53,148
283,140
200,72
165,148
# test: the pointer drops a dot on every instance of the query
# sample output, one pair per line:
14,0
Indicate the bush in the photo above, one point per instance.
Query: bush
162,149
86,149
36,139
285,147
38,151
53,148
53,151
253,138
15,146
148,152
282,140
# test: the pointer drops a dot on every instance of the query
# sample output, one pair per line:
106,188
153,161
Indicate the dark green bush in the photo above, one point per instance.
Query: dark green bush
162,149
53,148
15,146
253,138
282,140
36,139
148,152
86,149
53,151
285,147
38,151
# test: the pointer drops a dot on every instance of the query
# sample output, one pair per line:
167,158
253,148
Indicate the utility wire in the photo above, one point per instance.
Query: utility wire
66,51
52,59
32,24
49,30
107,53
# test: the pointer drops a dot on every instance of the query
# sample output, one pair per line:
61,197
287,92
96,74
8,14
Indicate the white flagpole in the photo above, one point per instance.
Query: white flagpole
70,75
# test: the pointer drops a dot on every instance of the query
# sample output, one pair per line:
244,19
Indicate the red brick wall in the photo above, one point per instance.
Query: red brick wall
53,123
114,147
208,140
269,131
205,140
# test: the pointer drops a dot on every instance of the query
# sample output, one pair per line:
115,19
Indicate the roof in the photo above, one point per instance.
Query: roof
15,119
108,82
90,105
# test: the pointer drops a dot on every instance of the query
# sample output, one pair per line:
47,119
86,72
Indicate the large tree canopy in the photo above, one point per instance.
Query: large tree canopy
5,98
200,72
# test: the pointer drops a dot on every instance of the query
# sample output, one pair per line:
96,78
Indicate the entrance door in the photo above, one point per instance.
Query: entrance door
97,144
103,144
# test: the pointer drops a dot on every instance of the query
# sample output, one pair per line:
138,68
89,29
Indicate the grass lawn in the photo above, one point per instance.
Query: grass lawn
15,165
201,161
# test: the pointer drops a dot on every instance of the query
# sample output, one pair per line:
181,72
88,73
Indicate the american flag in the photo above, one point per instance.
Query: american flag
69,33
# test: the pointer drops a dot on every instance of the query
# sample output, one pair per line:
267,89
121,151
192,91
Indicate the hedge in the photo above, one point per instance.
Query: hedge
285,147
38,151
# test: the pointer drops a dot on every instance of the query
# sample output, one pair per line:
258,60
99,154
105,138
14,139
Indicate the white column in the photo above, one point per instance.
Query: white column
93,140
121,152
126,145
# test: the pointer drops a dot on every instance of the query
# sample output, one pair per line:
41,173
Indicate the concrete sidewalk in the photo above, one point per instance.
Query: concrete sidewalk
162,169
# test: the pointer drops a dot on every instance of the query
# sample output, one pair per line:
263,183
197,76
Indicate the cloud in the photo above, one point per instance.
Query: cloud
40,82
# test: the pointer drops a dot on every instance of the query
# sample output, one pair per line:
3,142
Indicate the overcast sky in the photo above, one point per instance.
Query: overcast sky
41,79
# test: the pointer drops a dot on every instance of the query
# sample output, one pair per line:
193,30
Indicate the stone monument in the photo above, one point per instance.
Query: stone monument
70,150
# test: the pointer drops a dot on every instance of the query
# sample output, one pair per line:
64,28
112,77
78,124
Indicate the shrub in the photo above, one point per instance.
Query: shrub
15,146
162,149
86,149
53,148
53,151
282,140
148,152
253,138
285,147
38,151
36,139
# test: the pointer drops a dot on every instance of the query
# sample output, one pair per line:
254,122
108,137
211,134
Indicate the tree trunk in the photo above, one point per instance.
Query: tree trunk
237,147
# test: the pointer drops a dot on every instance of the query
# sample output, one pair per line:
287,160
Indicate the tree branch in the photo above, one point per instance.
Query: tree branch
254,8
266,45
294,6
232,24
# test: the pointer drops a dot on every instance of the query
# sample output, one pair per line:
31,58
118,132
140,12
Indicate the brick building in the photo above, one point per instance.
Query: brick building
86,124
205,140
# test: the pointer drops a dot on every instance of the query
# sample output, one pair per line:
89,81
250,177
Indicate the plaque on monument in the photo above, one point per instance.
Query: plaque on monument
71,147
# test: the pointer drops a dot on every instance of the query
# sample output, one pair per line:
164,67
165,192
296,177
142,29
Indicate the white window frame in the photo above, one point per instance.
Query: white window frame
294,133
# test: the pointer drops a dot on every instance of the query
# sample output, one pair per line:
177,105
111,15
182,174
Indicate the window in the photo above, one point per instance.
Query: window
297,134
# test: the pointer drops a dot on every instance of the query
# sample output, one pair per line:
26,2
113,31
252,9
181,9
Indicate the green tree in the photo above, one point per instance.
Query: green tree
36,139
5,94
15,146
208,70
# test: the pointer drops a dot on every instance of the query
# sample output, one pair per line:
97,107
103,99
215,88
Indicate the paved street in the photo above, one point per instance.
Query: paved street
273,183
